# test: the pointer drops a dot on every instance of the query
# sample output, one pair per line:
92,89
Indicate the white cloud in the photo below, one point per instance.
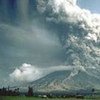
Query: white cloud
26,73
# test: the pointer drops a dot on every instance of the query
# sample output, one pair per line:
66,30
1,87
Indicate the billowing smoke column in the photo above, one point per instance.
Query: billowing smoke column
81,38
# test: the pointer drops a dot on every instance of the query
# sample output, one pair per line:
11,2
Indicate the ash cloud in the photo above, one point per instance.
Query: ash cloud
82,31
81,37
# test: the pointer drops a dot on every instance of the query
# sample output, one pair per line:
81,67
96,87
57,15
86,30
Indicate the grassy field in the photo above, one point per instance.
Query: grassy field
34,98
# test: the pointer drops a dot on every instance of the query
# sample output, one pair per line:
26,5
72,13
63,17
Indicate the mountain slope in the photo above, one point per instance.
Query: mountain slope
58,81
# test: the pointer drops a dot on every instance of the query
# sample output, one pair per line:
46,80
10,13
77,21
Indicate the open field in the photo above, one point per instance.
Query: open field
36,98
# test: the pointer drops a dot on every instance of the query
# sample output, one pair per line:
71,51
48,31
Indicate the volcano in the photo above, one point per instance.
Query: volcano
49,44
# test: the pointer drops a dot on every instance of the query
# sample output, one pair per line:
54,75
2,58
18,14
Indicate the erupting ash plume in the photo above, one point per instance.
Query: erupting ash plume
81,38
82,35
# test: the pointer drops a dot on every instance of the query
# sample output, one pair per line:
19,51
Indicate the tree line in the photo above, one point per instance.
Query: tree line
7,92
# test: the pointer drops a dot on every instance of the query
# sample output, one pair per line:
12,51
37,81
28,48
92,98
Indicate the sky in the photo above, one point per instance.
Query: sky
92,5
33,42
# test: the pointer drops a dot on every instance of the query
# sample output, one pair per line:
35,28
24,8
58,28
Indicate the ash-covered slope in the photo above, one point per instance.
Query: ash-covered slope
51,82
57,82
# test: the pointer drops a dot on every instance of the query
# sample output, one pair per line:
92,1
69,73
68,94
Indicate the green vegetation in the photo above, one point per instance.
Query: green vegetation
18,98
37,98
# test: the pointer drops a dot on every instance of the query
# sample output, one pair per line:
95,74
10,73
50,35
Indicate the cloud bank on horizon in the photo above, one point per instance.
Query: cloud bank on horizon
81,40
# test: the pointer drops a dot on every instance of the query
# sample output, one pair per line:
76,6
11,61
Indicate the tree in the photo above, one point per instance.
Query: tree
30,91
93,90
